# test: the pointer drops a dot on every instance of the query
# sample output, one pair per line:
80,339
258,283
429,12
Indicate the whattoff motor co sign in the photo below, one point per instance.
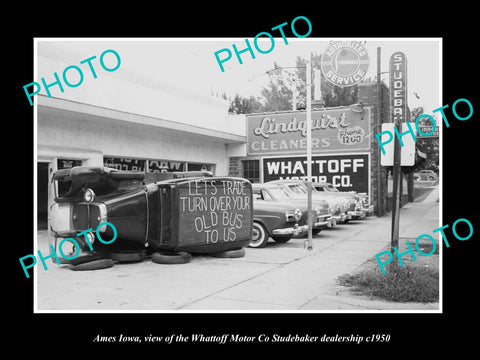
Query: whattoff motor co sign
343,129
349,172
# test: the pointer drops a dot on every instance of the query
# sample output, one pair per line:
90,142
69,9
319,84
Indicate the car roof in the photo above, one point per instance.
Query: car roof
284,181
264,185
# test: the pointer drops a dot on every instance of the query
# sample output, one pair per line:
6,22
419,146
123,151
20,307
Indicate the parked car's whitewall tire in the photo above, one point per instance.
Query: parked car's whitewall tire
259,236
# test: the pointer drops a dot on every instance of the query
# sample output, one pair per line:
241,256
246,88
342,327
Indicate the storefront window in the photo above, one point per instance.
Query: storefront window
154,166
67,163
162,165
124,164
201,167
251,170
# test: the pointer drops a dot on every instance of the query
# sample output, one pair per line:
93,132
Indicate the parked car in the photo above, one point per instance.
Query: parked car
425,175
165,215
267,195
363,203
278,220
339,205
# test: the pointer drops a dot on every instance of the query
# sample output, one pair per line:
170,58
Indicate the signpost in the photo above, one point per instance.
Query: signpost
398,114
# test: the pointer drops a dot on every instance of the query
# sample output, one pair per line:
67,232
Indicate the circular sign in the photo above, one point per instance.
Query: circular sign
345,63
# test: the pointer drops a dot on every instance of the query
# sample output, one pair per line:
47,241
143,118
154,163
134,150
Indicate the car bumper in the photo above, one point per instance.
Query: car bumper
360,213
294,230
56,240
323,221
341,218
368,210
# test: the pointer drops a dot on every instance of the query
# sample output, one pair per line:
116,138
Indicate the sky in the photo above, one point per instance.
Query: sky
191,63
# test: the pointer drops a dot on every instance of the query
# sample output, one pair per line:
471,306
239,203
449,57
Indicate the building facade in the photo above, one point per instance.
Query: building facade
126,121
344,149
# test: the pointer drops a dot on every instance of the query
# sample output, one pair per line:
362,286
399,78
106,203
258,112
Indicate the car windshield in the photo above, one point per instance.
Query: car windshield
330,187
297,189
278,193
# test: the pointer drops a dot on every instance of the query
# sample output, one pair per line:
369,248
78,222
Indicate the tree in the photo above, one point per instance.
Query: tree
278,95
243,105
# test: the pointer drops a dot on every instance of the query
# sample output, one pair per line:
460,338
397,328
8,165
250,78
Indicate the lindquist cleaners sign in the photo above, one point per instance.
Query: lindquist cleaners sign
342,129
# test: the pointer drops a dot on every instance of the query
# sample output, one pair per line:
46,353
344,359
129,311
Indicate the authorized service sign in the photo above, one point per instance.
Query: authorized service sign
333,130
345,63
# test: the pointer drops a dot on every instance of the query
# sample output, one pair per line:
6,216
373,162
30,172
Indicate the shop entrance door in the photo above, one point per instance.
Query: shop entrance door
42,195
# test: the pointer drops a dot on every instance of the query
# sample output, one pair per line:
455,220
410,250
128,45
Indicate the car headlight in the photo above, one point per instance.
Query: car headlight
293,215
298,214
88,195
90,237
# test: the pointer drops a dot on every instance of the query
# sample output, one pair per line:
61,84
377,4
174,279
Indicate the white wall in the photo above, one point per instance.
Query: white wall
126,89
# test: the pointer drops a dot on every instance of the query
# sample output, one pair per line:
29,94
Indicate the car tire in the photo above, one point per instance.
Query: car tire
281,239
92,265
129,256
231,254
259,236
165,257
88,257
316,231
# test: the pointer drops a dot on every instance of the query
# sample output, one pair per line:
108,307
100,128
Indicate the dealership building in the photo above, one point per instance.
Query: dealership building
129,121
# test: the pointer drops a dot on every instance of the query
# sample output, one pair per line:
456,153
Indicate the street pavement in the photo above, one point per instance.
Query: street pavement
279,277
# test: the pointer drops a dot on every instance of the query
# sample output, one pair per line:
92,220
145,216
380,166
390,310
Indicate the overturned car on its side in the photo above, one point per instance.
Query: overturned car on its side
165,216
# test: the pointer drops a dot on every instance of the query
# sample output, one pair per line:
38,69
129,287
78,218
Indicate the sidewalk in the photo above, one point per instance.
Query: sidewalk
416,218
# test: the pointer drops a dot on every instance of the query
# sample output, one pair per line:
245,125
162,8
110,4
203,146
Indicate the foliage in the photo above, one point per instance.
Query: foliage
242,105
399,284
278,94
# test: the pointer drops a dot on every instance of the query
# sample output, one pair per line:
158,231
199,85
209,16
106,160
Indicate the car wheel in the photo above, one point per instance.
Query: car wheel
281,239
165,257
92,265
316,231
88,257
128,256
259,236
237,253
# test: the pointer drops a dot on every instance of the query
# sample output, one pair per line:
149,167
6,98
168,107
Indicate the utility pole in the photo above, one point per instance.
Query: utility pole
309,150
379,204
